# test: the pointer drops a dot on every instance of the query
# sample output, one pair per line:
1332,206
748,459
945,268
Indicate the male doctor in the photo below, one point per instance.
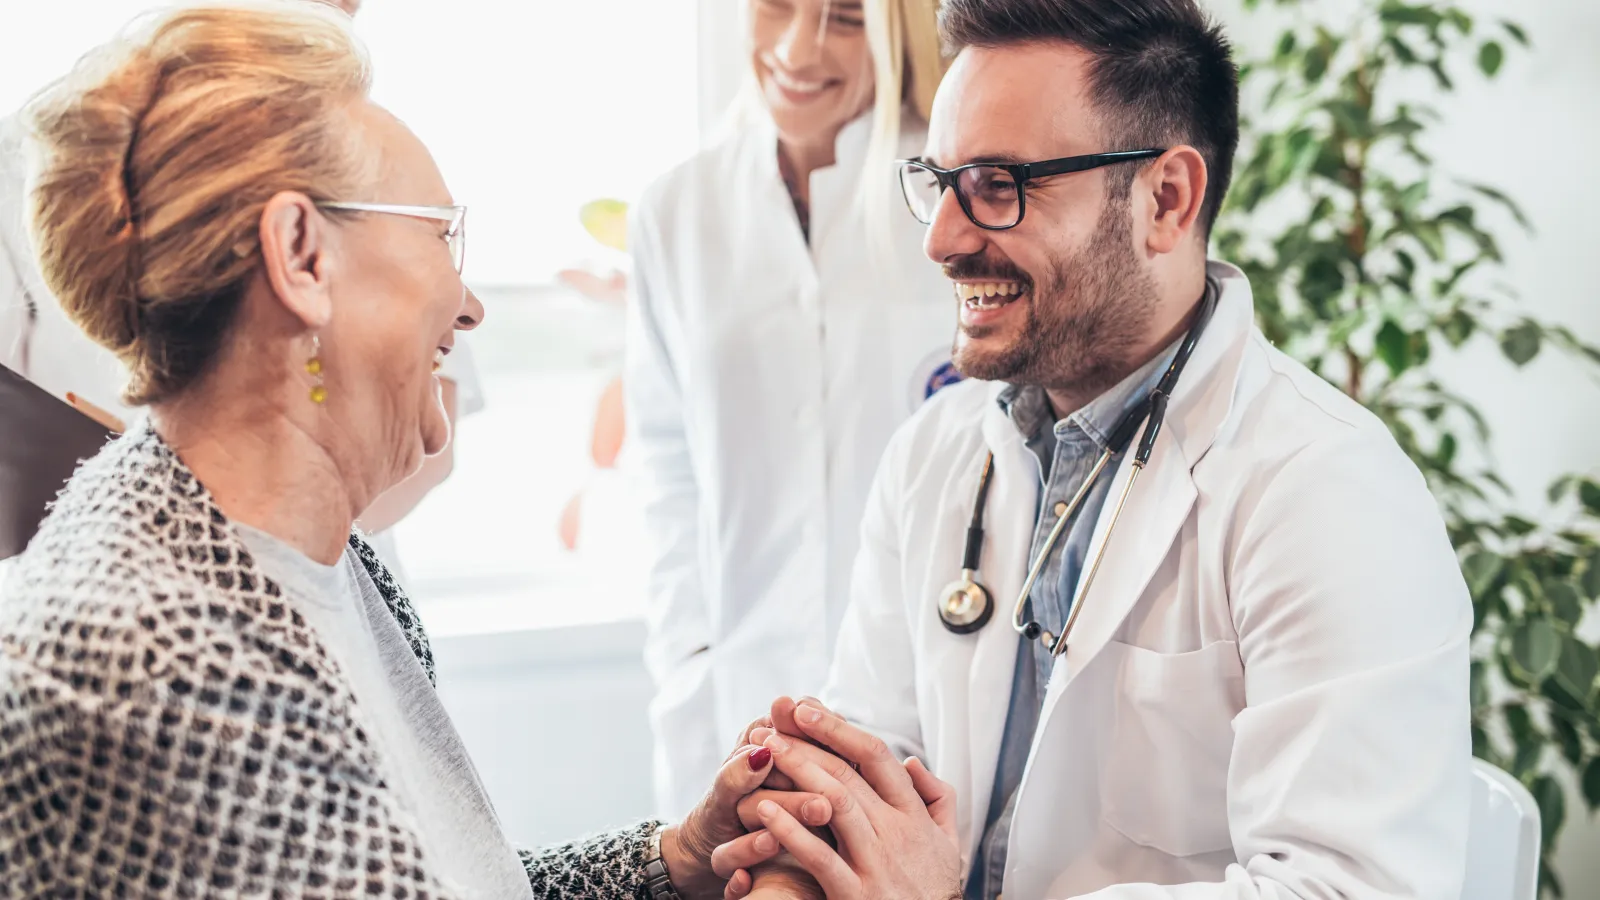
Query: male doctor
1265,691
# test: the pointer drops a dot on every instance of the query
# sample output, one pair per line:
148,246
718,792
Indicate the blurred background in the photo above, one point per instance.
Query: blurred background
524,562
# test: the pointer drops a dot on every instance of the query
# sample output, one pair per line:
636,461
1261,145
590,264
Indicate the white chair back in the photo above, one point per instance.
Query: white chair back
1502,838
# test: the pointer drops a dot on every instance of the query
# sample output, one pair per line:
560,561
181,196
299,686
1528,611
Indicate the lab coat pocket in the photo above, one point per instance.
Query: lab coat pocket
1165,772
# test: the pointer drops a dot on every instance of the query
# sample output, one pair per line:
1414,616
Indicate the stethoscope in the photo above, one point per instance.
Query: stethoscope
965,605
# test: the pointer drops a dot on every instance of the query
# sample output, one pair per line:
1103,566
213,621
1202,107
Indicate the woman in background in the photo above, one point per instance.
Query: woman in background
785,321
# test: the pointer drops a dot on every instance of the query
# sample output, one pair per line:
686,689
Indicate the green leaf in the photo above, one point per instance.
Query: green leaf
1577,668
1436,66
1520,343
1447,454
1354,119
1490,57
1458,328
1568,739
1565,604
1402,51
1461,217
1500,197
1460,20
1393,12
1413,195
1393,346
1589,493
1549,882
1480,685
1321,281
1482,748
1286,45
1516,32
1518,526
1530,751
1316,63
1536,649
1519,723
1591,782
1421,348
1431,237
1408,263
1561,487
1481,568
1401,126
1552,806
1591,576
1563,698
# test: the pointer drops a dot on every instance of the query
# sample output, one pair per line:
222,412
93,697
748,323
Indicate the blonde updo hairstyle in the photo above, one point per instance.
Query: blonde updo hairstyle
153,160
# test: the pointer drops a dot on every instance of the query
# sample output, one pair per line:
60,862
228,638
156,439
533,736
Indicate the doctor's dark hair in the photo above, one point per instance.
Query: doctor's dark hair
153,159
1162,72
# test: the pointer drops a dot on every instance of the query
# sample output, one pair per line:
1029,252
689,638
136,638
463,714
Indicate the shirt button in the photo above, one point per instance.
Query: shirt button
1061,509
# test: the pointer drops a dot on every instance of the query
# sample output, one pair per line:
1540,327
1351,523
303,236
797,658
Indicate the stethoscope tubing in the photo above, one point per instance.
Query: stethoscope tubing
1043,557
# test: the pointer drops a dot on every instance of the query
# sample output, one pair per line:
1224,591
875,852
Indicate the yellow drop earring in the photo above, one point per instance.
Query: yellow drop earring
314,369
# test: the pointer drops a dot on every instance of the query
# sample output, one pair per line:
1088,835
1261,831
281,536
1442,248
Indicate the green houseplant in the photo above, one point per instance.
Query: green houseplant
1369,261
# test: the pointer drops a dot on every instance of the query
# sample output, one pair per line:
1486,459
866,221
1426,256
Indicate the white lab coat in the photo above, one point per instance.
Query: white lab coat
1266,695
763,379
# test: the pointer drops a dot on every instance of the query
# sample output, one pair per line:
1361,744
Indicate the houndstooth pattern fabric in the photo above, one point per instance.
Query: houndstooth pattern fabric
170,726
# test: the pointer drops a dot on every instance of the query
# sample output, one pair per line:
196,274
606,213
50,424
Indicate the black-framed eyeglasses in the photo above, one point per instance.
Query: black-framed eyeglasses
993,194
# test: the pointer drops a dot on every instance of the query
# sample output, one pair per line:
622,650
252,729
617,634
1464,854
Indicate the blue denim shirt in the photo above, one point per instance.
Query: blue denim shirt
1066,451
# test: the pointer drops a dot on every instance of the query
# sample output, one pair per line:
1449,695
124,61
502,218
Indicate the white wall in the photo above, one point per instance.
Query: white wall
555,721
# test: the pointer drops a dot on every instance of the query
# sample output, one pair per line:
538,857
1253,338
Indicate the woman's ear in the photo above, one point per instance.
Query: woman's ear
1177,186
296,243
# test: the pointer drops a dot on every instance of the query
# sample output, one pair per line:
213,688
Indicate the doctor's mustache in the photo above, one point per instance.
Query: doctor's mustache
976,269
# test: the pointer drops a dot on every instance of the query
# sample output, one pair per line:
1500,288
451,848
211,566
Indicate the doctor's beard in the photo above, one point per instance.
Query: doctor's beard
1087,315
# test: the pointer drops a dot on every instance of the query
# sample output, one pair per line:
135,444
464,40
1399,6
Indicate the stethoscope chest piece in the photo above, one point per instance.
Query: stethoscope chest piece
965,605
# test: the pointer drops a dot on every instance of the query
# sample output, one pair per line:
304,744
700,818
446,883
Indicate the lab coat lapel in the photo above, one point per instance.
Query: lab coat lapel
1015,486
1156,508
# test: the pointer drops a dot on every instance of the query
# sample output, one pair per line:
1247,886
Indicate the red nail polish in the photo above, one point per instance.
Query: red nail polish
759,759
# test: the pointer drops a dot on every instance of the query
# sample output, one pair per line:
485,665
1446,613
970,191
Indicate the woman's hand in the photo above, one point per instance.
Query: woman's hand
686,849
895,823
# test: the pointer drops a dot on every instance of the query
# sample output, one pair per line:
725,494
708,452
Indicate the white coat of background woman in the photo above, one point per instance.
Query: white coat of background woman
785,321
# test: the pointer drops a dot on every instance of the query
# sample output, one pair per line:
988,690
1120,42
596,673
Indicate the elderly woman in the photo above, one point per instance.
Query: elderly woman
209,685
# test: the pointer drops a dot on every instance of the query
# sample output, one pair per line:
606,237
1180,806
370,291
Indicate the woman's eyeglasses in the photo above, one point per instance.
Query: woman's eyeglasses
993,195
455,237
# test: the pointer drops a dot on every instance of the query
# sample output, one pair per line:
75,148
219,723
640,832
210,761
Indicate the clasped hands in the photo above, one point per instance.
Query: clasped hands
836,815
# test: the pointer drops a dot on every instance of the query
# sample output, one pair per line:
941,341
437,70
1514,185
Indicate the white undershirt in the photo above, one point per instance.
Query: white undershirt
421,754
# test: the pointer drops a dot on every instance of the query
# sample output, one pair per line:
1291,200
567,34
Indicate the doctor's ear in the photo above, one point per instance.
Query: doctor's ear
296,240
1171,193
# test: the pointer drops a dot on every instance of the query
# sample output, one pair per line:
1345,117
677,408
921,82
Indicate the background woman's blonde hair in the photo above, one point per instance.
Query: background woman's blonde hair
908,63
153,160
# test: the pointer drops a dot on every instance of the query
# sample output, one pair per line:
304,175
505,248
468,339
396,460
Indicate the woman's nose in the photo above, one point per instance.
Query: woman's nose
471,315
801,45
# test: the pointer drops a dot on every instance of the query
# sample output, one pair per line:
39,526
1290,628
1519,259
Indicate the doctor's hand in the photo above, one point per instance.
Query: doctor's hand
686,849
895,824
779,719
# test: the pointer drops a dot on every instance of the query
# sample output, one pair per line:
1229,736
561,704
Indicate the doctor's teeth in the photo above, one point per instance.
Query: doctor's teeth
980,294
